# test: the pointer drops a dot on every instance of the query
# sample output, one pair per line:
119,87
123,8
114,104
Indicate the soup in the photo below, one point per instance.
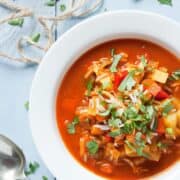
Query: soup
118,109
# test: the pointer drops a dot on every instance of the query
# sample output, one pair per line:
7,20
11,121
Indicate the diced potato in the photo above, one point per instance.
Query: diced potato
160,76
170,121
113,154
153,152
173,121
129,152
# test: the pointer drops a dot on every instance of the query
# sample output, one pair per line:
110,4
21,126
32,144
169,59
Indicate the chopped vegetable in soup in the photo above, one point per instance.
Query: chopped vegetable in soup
118,109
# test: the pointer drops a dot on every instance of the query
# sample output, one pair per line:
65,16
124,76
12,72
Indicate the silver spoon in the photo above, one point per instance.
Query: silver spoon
12,160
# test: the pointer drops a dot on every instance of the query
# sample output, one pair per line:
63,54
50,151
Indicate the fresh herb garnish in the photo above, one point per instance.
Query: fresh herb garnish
167,107
16,22
62,7
150,112
32,168
71,126
114,122
51,3
35,37
112,52
116,59
130,112
175,75
92,147
89,87
26,105
128,127
166,2
143,61
115,133
128,82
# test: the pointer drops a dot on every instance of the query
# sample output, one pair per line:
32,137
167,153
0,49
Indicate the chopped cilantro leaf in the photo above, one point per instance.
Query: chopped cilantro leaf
89,87
175,75
92,147
167,107
143,61
129,127
112,52
130,112
114,122
115,133
71,126
116,59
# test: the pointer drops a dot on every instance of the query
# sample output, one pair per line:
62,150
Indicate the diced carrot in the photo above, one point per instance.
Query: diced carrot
130,138
151,86
154,89
162,95
96,131
100,118
82,145
106,168
160,126
147,83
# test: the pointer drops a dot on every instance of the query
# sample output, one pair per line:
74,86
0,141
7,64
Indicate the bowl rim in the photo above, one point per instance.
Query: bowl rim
42,105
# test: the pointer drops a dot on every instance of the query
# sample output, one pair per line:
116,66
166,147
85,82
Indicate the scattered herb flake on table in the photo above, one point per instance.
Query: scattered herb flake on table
35,37
62,7
32,168
51,3
16,22
166,2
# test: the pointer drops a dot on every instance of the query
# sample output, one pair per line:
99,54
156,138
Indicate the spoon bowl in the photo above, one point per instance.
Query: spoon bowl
12,160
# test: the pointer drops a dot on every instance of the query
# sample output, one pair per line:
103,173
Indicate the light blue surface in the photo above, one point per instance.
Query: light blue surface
16,79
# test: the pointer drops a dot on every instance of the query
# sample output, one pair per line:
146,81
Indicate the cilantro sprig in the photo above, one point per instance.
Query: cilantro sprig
71,126
92,147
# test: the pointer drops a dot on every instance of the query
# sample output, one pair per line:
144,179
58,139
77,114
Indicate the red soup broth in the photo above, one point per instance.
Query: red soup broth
71,93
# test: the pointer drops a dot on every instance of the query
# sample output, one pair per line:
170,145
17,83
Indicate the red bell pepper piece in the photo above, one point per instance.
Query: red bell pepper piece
108,138
160,126
118,78
162,95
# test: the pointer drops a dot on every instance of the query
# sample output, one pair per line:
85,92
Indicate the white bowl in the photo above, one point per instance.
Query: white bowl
72,44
